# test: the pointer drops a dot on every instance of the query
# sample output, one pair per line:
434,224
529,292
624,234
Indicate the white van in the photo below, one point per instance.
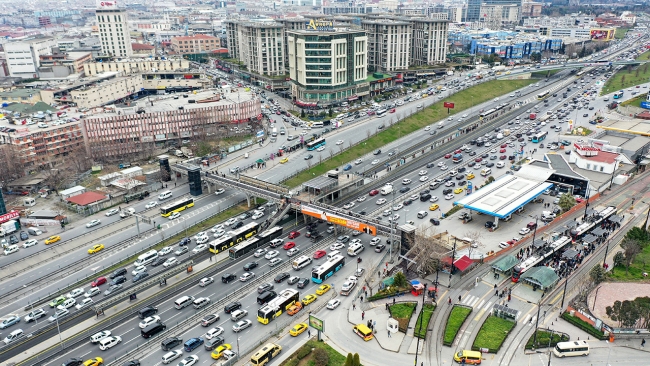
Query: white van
109,342
333,254
146,258
183,302
14,336
11,249
34,231
238,314
301,262
355,249
165,195
485,172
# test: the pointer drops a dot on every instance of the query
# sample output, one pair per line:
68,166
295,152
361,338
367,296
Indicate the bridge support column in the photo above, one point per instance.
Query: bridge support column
209,186
248,200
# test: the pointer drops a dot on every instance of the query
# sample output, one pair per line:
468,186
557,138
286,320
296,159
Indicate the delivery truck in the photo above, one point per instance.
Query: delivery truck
8,227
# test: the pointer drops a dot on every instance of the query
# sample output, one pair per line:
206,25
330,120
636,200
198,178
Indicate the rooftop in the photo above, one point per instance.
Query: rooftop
561,166
194,37
602,157
86,198
19,93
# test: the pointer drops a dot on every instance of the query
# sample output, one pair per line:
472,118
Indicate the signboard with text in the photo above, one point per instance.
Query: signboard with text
448,105
110,4
8,216
338,220
316,323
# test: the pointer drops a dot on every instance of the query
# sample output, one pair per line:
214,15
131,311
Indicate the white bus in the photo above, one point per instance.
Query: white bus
573,348
381,112
146,258
355,249
317,124
301,262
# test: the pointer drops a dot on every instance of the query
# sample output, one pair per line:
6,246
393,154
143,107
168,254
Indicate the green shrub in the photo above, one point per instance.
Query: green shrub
292,362
493,333
454,322
543,338
583,325
303,352
321,358
356,361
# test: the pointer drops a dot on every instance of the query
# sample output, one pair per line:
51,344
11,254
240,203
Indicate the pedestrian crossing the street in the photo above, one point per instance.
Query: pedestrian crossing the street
529,320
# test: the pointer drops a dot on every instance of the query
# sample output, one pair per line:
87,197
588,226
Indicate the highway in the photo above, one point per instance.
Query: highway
249,338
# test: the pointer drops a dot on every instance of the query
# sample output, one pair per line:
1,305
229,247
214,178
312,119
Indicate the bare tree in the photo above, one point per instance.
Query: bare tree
77,160
476,236
427,250
368,134
331,153
10,166
54,178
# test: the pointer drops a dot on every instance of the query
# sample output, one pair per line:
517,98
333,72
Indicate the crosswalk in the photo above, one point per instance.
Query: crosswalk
471,300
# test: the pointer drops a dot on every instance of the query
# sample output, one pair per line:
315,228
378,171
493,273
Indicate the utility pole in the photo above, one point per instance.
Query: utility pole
453,255
417,345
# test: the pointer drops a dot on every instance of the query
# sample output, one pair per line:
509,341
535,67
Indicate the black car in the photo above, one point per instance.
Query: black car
147,312
117,273
132,363
119,279
170,343
158,261
281,277
407,202
232,307
425,197
460,177
249,266
471,164
472,153
236,225
228,277
213,343
447,191
404,189
424,191
73,362
23,235
184,241
461,169
489,165
489,224
485,156
379,248
309,157
431,165
377,152
462,183
434,221
140,276
13,239
303,282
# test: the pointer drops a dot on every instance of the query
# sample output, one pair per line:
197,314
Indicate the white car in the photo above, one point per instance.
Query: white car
58,314
68,303
11,249
381,201
321,148
337,246
503,245
219,233
257,215
444,167
275,261
394,218
164,251
500,164
453,173
424,178
422,172
375,162
271,254
75,293
361,199
170,262
202,239
358,161
231,221
138,270
112,211
206,281
387,212
333,304
374,241
246,276
414,197
84,303
441,164
171,356
30,243
398,207
148,321
93,223
151,204
214,332
524,231
241,325
348,206
433,199
200,248
109,342
339,142
450,196
260,252
217,228
219,191
92,292
174,215
451,183
406,181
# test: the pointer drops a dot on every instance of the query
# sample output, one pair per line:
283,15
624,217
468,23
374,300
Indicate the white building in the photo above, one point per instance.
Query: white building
23,55
113,30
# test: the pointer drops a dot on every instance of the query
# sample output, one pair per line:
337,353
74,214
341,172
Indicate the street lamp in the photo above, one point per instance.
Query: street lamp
238,346
535,229
417,345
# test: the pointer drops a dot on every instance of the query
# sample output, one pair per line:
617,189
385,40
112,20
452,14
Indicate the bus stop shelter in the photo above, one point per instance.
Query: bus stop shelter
505,264
540,277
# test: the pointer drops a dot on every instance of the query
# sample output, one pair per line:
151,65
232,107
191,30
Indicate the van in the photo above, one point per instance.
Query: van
170,343
266,296
238,314
363,331
470,357
152,330
531,225
34,231
485,172
355,249
183,302
434,185
146,258
14,336
301,262
333,254
165,195
127,212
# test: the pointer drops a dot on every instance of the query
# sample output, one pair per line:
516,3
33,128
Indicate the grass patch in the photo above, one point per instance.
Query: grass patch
454,322
543,338
635,102
335,358
402,313
492,334
462,100
585,131
644,56
423,321
621,32
628,76
583,325
545,73
637,268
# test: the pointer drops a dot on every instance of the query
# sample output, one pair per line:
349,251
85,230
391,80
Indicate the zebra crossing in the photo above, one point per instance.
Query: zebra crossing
471,300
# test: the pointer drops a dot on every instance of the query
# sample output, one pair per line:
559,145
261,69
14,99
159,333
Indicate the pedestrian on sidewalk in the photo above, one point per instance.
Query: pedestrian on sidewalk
389,336
459,298
308,333
363,314
643,342
354,306
361,298
450,301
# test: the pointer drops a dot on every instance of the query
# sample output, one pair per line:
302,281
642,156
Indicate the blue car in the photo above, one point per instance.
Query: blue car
9,321
593,122
192,344
347,167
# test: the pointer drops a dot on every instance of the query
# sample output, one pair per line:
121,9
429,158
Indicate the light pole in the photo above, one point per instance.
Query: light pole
238,346
58,329
535,229
453,255
417,345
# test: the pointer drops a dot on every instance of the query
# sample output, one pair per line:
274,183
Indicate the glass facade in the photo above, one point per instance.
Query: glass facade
3,207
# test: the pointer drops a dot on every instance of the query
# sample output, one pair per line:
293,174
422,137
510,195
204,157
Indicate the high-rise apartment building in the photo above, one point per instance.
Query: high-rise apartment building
327,65
429,41
113,30
389,44
474,7
259,45
23,55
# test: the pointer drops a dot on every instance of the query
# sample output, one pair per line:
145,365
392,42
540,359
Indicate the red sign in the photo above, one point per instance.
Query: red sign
8,216
448,105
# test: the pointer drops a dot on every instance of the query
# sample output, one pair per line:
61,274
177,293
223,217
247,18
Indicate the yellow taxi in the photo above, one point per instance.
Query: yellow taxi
323,289
218,352
94,362
297,329
284,160
52,239
309,299
470,176
96,248
434,207
458,190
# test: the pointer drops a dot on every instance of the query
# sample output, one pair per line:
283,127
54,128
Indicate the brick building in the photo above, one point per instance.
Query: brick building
199,43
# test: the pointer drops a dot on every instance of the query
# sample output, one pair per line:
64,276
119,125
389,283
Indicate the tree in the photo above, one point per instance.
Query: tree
618,259
302,113
626,313
330,112
566,202
636,72
321,358
623,80
476,237
427,251
399,280
348,360
636,233
356,361
631,248
598,274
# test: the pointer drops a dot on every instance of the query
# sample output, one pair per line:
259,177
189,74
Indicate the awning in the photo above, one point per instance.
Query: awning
570,254
542,276
599,231
589,238
616,218
538,243
505,263
463,263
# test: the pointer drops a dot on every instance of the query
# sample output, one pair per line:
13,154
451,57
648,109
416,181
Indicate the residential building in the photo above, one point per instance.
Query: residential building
346,9
142,49
531,9
133,66
497,16
23,55
29,96
3,207
259,45
113,30
199,43
474,7
389,44
429,41
327,65
61,65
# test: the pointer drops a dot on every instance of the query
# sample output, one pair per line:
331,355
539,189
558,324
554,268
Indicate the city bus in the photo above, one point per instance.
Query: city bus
177,206
381,113
257,242
266,354
277,306
245,232
540,136
618,94
318,124
316,144
573,348
327,269
543,95
487,113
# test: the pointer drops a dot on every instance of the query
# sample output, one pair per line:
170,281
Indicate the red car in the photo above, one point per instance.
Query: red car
294,234
374,192
99,281
502,157
458,151
319,254
289,245
447,156
579,200
478,160
502,151
392,110
504,146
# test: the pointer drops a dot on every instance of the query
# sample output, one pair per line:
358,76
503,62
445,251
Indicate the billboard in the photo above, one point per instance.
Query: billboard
8,216
448,104
110,4
602,34
316,323
338,220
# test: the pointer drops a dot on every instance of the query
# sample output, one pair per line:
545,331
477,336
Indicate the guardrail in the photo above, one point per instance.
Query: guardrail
214,307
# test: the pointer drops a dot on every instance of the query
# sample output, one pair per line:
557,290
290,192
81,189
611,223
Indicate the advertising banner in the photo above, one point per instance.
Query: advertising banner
316,323
448,105
601,34
8,216
350,224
